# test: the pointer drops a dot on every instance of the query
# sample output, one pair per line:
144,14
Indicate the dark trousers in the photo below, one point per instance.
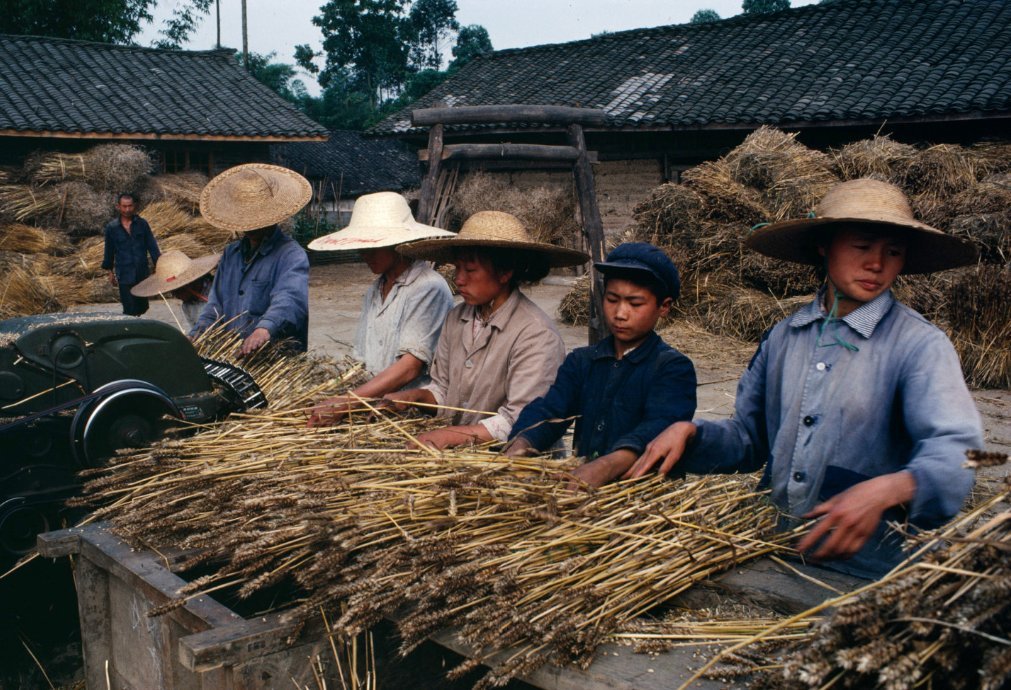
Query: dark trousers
132,305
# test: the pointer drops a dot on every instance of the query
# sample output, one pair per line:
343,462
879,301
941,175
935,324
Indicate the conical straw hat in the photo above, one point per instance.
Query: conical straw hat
252,196
492,229
870,205
174,270
378,220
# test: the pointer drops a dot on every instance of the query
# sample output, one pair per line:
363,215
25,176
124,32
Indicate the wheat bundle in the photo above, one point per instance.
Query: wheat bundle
982,214
87,260
97,291
944,170
26,239
82,208
115,168
879,157
46,167
726,198
791,177
22,293
548,213
22,202
928,293
166,218
779,278
741,313
574,309
182,188
184,242
500,547
979,317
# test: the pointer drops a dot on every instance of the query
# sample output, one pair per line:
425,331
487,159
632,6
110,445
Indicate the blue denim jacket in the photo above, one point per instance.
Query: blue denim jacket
621,403
823,416
127,252
271,291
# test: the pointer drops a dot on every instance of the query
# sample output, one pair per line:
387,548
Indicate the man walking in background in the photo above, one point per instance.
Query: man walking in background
128,242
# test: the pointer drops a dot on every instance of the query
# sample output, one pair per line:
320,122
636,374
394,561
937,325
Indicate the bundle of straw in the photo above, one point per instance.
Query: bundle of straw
183,242
23,294
43,168
979,317
741,313
182,188
166,218
84,209
26,239
944,170
727,199
497,546
878,157
574,309
21,202
116,167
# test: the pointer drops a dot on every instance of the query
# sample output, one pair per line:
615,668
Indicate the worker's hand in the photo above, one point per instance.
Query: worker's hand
519,447
400,400
256,340
850,518
112,279
329,411
449,437
604,469
667,448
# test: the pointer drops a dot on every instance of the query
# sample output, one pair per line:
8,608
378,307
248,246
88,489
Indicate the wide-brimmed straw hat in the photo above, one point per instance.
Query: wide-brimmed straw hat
492,229
174,270
870,205
252,196
378,220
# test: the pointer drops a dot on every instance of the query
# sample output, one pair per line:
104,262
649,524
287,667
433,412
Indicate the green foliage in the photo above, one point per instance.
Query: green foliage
278,76
105,21
473,40
704,17
310,223
430,23
764,6
186,17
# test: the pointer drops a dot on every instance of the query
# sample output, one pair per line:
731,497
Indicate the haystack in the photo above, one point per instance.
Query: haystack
21,202
944,170
741,313
49,167
574,309
116,167
790,177
22,293
727,199
26,239
182,188
982,214
83,209
166,218
878,157
979,319
547,212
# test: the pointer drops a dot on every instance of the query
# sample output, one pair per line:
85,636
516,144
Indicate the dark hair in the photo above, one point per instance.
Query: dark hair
642,279
527,266
124,195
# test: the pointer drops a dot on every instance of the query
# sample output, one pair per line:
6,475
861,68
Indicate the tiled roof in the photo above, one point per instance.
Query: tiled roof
848,60
352,165
74,87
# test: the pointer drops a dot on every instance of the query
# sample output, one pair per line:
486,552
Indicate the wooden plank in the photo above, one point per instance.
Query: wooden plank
499,152
62,542
486,114
92,584
429,185
236,643
593,231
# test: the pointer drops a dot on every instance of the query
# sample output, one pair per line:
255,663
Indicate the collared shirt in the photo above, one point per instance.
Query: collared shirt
620,403
127,252
826,404
271,291
511,360
408,321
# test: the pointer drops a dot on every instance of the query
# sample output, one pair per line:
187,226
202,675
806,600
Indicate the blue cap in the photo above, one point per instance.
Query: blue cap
644,258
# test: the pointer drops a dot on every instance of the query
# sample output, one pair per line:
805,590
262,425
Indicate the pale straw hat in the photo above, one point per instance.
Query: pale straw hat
493,229
174,270
868,205
252,196
378,220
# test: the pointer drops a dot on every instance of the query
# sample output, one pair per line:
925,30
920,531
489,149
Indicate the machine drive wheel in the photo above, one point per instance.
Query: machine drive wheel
127,415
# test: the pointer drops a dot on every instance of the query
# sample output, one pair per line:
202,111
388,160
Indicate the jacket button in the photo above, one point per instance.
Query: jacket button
808,420
468,364
600,427
799,476
242,292
820,366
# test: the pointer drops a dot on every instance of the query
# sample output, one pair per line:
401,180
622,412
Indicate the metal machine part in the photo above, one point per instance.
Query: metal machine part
76,388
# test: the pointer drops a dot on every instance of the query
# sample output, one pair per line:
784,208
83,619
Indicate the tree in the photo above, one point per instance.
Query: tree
430,22
276,75
186,17
473,40
764,6
704,17
105,21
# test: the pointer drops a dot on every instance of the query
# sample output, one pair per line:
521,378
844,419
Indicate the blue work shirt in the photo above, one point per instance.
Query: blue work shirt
270,291
821,417
127,252
620,403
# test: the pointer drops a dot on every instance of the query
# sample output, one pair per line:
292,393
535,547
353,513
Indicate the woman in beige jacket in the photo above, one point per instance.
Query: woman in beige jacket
498,350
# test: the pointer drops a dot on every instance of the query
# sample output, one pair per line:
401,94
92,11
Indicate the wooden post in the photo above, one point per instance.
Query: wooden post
593,231
426,200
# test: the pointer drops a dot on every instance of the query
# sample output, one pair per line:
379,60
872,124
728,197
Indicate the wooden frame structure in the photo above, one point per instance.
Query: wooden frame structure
572,119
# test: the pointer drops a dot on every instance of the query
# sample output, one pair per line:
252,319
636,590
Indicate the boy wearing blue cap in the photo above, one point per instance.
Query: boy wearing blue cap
626,388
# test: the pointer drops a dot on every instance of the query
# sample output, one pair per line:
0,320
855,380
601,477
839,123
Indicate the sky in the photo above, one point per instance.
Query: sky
279,25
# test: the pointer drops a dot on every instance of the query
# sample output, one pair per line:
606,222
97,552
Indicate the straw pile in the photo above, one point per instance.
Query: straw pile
21,292
939,622
21,202
575,305
547,212
83,209
500,547
168,219
26,239
979,324
182,188
879,157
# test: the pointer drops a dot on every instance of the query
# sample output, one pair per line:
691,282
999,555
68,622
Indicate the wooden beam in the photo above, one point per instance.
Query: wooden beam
534,152
485,114
426,199
593,231
48,134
